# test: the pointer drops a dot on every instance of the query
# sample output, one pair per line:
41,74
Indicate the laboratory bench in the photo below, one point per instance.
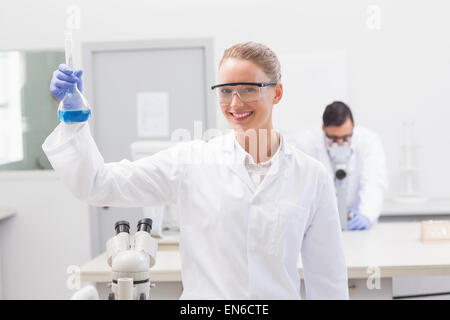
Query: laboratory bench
415,207
385,251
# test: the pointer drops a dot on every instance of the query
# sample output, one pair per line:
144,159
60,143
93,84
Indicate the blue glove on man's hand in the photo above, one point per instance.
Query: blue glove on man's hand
358,221
64,79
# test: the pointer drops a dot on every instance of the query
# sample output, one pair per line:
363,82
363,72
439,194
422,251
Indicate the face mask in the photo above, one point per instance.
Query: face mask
339,154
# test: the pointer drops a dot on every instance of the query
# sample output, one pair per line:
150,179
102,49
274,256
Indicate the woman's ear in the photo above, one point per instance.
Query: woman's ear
278,93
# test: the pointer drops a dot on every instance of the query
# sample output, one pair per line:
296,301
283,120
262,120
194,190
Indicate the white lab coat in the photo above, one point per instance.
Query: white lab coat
367,177
236,241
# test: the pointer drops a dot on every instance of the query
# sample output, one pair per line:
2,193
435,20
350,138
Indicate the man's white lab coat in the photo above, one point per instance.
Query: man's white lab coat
367,177
237,241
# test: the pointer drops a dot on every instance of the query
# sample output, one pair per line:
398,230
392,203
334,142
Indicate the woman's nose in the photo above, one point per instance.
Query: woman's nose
235,100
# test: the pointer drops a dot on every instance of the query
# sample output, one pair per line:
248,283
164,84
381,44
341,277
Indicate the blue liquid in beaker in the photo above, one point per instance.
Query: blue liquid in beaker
69,116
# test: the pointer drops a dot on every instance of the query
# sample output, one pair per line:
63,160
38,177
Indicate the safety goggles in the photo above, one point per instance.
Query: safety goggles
333,139
246,91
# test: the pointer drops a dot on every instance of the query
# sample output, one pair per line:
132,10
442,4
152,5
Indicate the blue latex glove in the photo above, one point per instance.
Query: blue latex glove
358,221
64,79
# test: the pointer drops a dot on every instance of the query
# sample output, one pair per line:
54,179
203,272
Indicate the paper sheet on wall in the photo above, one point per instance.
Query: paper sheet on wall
152,114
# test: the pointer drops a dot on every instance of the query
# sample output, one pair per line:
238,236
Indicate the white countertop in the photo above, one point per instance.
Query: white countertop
6,212
430,206
393,247
397,249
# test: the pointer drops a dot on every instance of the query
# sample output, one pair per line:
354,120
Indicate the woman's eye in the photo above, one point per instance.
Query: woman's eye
225,91
249,90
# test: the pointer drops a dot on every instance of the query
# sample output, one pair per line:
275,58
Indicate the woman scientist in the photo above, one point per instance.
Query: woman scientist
249,203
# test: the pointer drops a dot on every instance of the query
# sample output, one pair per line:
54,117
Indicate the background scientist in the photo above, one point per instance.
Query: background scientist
366,169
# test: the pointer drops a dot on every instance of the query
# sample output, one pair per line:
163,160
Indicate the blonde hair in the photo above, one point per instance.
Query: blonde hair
257,53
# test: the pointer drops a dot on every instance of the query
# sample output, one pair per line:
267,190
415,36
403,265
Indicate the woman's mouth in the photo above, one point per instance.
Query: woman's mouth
241,116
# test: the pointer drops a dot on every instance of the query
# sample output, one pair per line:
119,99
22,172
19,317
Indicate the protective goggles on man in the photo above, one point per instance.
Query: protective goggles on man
342,139
246,91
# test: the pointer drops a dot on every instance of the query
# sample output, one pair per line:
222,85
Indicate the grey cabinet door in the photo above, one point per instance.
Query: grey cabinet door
115,73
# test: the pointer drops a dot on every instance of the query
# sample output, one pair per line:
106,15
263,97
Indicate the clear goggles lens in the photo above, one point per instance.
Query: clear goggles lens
331,140
247,93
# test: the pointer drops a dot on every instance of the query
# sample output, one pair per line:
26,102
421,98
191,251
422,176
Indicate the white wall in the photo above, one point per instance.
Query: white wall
49,233
400,72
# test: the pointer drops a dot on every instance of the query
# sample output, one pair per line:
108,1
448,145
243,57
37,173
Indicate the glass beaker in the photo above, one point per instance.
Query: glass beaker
74,106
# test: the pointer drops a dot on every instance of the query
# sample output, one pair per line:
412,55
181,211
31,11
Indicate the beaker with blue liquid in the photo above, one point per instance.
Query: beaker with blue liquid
73,107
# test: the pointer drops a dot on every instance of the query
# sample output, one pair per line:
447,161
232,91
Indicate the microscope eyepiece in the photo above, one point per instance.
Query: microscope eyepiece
145,225
122,226
340,174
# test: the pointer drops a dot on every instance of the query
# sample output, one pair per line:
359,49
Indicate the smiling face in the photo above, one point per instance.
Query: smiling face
248,115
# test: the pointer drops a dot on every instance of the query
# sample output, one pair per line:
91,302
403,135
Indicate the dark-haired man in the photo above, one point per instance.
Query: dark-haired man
352,154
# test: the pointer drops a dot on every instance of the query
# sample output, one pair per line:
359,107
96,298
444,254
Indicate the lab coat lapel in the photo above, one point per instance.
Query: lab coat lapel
280,166
272,175
324,157
236,162
242,173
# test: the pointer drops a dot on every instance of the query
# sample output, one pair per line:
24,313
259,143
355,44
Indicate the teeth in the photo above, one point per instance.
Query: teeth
242,115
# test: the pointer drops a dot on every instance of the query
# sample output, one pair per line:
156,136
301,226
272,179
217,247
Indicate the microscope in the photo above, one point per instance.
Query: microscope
339,156
130,258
